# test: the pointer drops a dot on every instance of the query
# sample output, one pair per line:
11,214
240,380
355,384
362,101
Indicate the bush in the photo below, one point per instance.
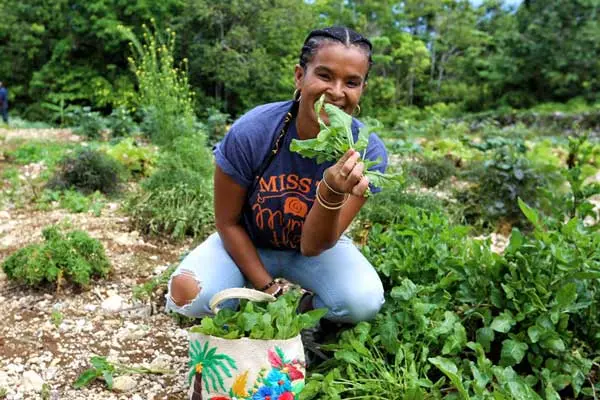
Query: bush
165,98
497,182
87,123
178,211
88,171
120,123
431,171
73,256
139,160
176,200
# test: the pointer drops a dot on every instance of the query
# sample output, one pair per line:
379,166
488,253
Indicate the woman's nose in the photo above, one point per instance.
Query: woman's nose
336,90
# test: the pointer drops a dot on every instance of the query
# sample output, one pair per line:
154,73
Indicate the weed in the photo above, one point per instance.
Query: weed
56,317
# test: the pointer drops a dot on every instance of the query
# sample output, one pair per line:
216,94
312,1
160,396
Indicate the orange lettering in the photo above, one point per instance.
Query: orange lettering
270,187
305,185
292,182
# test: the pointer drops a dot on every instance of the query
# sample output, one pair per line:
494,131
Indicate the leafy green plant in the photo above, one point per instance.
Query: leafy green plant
178,211
138,159
430,172
88,123
56,317
335,139
87,171
72,256
107,371
76,202
504,175
3,393
120,123
275,320
49,152
176,200
216,125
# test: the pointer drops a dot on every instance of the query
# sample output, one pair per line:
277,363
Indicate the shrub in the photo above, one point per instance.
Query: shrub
176,200
177,211
138,159
88,171
73,256
165,98
498,181
216,125
431,171
87,123
120,123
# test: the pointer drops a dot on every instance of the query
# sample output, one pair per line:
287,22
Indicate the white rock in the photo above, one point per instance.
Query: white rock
15,367
4,215
162,361
137,397
112,304
90,307
124,383
32,382
3,379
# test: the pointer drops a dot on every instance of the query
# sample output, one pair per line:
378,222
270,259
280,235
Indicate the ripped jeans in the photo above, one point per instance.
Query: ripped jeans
342,279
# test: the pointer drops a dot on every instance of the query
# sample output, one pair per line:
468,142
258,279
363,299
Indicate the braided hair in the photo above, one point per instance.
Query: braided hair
334,34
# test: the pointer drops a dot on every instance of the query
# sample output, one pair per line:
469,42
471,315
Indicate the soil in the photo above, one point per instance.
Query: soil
48,335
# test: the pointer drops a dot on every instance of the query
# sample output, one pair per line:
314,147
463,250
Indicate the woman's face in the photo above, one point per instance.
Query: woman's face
336,71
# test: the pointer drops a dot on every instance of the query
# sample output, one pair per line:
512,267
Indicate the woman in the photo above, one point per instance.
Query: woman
284,215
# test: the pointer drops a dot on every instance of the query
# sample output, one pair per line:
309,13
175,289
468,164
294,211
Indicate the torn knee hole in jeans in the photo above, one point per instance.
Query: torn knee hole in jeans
184,288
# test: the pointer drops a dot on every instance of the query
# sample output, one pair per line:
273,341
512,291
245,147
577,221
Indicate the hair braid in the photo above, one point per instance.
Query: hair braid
334,34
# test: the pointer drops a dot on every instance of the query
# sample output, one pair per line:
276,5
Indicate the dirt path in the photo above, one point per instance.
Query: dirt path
47,338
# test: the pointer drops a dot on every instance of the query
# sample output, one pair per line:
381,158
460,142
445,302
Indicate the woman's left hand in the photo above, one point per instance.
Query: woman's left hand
346,176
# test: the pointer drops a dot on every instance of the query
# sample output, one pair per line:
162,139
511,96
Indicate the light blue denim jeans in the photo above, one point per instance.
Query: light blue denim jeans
342,279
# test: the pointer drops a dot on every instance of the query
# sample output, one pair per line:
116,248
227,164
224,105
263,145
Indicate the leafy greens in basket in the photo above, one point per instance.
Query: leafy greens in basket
335,139
276,320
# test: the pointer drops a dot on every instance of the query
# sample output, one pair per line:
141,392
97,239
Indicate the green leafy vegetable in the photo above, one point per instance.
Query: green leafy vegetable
335,139
276,320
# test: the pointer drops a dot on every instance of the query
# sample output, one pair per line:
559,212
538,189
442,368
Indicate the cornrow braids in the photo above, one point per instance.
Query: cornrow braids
334,34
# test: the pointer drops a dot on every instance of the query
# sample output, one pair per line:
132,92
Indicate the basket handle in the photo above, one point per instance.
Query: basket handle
238,293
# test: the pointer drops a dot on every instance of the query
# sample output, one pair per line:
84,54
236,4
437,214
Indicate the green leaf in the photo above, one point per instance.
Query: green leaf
566,295
86,377
530,213
503,322
535,332
485,337
405,291
449,369
108,378
512,352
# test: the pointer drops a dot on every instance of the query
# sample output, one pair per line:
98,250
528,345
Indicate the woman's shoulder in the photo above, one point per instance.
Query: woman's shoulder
262,117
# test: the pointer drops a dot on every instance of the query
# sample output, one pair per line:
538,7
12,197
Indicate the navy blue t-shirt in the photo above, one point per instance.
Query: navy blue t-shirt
285,193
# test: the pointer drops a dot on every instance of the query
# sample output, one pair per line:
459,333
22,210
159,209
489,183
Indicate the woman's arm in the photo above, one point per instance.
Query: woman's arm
323,226
229,201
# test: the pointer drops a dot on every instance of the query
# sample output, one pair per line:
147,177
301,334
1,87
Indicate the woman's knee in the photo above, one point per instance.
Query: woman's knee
364,305
184,288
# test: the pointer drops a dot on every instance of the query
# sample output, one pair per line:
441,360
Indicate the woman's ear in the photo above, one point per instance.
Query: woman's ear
298,75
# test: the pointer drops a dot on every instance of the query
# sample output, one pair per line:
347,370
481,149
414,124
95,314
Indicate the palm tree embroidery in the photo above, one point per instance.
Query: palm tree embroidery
206,366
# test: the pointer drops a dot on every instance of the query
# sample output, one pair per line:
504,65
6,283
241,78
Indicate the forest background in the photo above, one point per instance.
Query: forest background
446,54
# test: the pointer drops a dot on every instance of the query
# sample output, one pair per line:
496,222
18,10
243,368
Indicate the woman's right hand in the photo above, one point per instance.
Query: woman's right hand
346,176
